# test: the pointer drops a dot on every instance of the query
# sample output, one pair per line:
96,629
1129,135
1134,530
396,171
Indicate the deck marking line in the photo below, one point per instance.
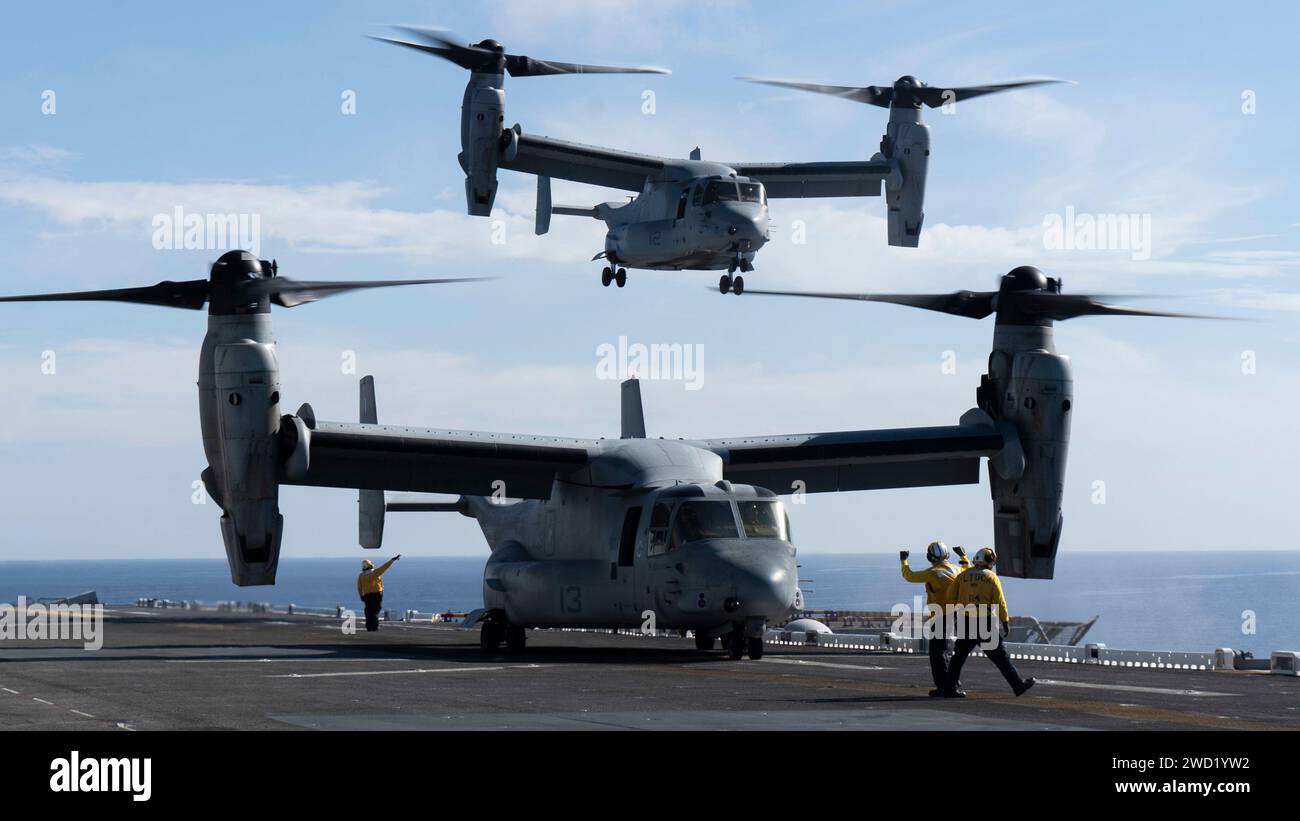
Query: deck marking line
272,661
1129,688
389,672
823,664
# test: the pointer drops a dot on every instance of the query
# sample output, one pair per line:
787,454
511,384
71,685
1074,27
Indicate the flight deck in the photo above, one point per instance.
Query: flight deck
190,669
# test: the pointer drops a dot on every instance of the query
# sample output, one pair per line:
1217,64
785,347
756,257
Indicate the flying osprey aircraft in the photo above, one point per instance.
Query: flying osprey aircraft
604,531
687,214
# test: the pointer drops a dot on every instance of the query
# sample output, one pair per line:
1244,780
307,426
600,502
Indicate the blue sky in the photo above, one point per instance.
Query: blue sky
236,108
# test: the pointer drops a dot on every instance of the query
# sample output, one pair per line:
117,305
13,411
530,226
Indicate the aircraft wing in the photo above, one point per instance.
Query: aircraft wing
817,179
391,457
861,460
563,160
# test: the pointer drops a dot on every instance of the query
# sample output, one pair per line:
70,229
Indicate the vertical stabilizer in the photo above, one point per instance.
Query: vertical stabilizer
370,503
543,205
633,415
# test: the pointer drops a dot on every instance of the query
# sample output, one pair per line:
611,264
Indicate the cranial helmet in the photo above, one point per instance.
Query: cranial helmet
985,557
937,552
366,564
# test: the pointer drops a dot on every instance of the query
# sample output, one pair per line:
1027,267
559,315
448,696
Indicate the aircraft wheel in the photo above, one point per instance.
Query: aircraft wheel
738,285
606,276
755,648
724,283
621,277
489,637
515,639
736,645
704,642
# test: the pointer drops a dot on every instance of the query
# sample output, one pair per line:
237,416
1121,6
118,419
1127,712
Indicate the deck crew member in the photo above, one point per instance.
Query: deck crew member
980,586
939,579
370,587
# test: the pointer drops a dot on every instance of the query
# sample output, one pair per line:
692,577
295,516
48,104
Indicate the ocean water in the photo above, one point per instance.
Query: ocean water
1144,600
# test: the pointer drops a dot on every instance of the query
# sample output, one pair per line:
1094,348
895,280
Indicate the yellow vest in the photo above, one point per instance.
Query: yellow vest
939,580
370,581
979,585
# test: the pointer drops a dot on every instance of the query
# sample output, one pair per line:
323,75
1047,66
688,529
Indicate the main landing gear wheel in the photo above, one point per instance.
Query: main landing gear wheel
489,637
515,639
755,648
729,284
620,278
606,276
704,642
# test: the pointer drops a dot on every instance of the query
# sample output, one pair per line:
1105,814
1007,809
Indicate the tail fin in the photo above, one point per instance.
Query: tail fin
370,503
633,422
543,205
545,208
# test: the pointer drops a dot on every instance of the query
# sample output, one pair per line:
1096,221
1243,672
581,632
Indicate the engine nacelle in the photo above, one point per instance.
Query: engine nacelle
1032,392
246,469
908,150
482,121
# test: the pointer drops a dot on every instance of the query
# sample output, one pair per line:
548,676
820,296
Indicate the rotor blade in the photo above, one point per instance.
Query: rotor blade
1068,306
191,294
446,54
972,304
287,292
871,95
521,66
936,96
438,43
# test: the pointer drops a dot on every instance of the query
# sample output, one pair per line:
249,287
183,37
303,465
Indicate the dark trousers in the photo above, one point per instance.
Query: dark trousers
373,602
998,655
939,655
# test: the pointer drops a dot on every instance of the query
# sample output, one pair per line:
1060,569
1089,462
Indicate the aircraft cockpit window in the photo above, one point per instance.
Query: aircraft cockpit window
752,192
720,191
764,520
698,198
659,529
703,520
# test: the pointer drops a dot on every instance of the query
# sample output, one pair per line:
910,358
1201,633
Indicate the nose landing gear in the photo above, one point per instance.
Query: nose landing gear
730,284
615,275
739,642
495,630
735,284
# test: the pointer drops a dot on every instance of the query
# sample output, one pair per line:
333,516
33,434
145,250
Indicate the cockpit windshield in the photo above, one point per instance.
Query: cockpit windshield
720,191
752,192
703,520
763,519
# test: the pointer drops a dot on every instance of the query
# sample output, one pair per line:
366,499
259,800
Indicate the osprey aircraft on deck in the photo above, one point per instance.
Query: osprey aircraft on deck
602,532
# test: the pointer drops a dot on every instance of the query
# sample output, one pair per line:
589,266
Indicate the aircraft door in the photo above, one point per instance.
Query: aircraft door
627,539
623,569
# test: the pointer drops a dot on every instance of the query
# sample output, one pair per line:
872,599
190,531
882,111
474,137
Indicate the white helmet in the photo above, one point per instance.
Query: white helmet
937,552
985,557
